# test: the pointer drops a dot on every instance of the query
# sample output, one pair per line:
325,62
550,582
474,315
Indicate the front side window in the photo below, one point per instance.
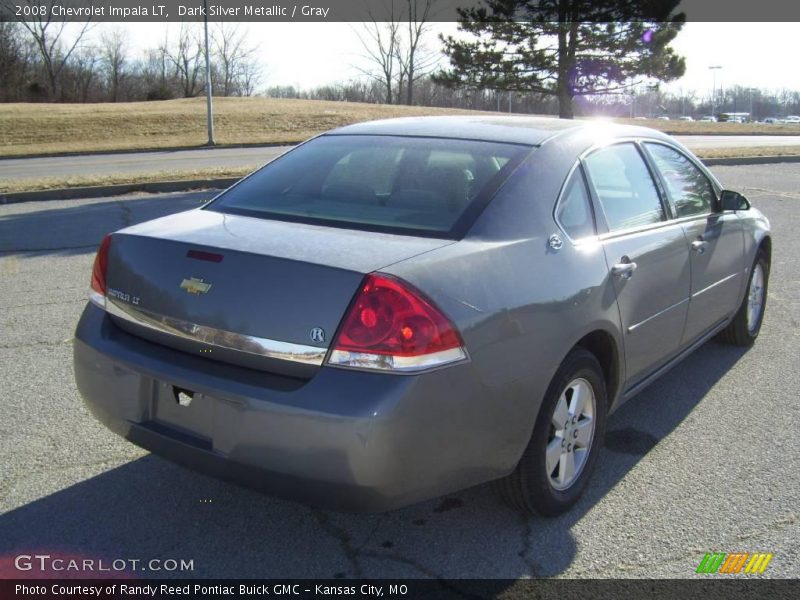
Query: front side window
688,188
624,187
374,182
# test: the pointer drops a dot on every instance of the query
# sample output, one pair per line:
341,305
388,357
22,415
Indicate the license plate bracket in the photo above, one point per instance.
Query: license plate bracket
185,410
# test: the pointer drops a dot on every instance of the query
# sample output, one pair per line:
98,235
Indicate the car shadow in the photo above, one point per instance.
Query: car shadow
149,508
77,228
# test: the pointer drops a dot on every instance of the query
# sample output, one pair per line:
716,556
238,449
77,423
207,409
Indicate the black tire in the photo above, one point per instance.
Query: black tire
737,332
529,487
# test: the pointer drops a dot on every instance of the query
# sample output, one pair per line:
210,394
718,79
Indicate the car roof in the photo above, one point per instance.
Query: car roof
532,131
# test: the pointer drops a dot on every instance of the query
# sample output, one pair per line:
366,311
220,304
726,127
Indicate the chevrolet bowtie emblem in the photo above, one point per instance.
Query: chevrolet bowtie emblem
194,285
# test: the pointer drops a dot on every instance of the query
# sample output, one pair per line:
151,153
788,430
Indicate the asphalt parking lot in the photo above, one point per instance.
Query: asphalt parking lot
703,460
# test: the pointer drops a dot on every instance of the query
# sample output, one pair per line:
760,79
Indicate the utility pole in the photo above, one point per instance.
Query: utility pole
209,106
714,70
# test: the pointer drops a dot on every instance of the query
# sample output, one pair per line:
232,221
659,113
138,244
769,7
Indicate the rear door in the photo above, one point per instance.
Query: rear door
715,239
647,256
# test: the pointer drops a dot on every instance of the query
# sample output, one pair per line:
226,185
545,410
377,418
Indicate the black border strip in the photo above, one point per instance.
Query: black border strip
709,587
365,10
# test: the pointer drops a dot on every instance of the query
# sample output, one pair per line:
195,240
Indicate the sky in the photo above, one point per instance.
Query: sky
759,55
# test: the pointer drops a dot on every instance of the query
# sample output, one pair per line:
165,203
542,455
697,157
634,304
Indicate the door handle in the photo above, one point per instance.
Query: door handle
699,246
624,269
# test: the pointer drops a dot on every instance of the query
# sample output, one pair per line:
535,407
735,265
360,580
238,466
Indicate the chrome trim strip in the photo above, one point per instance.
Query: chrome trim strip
632,328
690,218
637,387
396,364
637,230
309,355
97,299
723,280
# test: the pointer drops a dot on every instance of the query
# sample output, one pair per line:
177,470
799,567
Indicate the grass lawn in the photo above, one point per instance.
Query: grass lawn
52,128
10,186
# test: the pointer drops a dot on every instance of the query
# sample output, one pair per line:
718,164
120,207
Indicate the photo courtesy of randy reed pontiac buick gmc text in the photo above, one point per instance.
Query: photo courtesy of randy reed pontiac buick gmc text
198,590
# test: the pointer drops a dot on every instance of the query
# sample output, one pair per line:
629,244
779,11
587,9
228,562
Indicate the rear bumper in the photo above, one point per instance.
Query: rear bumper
344,439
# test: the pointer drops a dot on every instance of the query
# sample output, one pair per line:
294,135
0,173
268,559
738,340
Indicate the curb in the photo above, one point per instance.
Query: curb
151,150
161,187
98,191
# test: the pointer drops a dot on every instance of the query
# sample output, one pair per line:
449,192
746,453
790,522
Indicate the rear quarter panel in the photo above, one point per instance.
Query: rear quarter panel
520,305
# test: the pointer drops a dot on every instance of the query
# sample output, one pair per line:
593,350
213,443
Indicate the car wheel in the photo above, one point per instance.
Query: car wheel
743,329
560,457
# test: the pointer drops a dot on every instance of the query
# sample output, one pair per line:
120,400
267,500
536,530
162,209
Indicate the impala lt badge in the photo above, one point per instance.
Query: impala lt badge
195,285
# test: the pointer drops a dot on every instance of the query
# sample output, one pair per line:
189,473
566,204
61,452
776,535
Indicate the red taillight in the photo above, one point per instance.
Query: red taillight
391,326
99,272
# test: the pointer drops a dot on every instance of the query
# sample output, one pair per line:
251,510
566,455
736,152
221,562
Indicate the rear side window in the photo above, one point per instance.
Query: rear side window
624,187
574,212
688,188
402,184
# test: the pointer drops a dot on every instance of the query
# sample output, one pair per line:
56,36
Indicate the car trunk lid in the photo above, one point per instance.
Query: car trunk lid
253,292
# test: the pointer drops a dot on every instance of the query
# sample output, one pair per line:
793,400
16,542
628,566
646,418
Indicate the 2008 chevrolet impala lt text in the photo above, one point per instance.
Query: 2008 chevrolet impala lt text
396,310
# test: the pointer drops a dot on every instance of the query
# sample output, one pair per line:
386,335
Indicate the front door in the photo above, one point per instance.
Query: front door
715,240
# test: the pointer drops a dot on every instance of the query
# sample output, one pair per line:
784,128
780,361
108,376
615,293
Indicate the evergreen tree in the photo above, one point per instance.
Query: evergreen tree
565,48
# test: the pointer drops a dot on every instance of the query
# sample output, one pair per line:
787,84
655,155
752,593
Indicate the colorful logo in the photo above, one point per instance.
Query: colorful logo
195,285
734,563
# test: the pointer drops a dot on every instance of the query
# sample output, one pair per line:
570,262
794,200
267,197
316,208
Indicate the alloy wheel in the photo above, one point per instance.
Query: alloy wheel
571,433
755,298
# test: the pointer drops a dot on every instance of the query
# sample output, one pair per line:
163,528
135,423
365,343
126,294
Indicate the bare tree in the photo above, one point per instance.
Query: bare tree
83,72
232,53
187,58
157,81
51,42
415,60
250,76
13,63
380,41
114,56
394,47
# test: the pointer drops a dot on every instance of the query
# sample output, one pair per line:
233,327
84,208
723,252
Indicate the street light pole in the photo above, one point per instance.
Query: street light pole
633,103
209,107
714,88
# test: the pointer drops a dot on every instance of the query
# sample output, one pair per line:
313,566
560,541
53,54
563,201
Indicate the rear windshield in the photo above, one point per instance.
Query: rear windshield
385,183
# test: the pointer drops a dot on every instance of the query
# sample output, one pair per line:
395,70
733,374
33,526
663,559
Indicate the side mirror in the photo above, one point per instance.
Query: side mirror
730,200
